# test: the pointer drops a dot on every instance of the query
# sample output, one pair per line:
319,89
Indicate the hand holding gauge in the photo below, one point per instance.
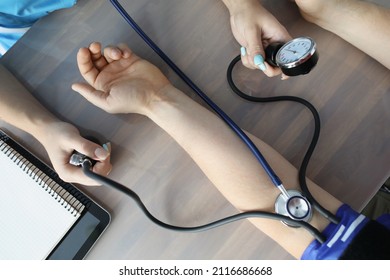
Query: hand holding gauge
296,57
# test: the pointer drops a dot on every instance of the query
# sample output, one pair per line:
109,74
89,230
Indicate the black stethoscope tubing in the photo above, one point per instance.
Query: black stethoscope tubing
87,165
313,143
244,215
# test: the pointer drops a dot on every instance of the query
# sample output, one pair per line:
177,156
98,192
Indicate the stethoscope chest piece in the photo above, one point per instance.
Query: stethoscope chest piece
295,206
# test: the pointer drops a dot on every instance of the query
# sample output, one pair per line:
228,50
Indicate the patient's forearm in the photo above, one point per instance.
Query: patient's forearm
231,167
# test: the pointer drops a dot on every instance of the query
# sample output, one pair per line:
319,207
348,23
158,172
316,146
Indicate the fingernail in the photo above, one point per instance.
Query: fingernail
259,62
116,52
101,153
126,54
107,147
243,51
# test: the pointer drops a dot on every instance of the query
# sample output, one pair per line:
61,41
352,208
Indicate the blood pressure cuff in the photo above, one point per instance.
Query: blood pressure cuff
355,237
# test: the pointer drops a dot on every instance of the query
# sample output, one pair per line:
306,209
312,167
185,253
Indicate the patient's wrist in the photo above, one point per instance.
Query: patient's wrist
159,100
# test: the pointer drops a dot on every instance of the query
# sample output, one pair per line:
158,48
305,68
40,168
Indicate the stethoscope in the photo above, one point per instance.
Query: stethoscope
293,208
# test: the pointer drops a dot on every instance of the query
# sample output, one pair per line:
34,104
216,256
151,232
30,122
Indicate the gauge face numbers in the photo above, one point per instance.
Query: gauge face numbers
295,52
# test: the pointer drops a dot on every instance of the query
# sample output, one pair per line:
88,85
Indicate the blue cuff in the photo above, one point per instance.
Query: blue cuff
338,236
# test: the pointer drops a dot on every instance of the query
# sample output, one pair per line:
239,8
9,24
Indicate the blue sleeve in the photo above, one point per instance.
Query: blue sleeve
384,220
23,13
16,16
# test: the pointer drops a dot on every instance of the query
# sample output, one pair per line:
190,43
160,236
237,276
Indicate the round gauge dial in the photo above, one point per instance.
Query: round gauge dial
296,57
295,52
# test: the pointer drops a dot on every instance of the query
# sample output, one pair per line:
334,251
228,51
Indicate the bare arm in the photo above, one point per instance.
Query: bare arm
15,99
20,109
363,24
128,84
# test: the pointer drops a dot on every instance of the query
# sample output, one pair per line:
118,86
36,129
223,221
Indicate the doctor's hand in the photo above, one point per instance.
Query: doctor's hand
60,139
118,81
254,29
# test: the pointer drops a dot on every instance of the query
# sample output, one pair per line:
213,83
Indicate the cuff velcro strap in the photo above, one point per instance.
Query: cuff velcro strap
338,236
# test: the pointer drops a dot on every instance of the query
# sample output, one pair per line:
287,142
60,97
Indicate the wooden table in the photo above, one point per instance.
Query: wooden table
350,90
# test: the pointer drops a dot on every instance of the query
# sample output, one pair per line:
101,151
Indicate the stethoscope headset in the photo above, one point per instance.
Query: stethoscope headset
293,208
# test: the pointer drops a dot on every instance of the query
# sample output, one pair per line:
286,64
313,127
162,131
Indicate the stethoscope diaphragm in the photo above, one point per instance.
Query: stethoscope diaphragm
294,206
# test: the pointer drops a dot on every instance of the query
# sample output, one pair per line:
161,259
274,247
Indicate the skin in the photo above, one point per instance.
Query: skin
118,81
255,28
20,109
363,24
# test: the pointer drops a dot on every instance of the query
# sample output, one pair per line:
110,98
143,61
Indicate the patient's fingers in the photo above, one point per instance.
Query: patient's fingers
86,66
126,51
112,53
97,58
96,97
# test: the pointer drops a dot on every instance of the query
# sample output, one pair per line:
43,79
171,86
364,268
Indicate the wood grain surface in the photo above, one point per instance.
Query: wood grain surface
350,90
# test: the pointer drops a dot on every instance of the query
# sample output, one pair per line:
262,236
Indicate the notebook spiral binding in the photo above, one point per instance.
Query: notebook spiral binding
68,199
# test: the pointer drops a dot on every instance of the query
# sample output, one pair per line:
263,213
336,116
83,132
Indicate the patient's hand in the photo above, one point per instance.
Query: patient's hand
118,81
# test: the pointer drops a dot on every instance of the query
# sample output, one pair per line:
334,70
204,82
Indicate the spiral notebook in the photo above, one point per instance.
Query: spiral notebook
41,216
